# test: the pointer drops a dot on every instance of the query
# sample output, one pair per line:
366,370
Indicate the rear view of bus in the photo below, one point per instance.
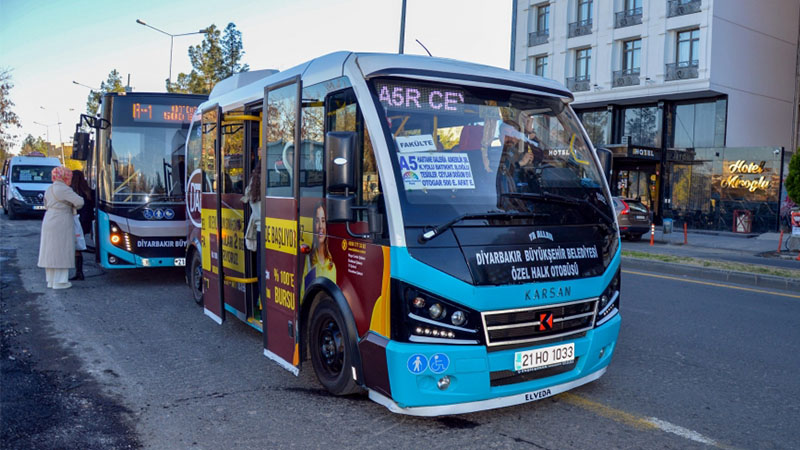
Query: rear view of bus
141,220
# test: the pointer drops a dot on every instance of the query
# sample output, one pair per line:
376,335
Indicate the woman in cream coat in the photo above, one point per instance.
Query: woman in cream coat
57,245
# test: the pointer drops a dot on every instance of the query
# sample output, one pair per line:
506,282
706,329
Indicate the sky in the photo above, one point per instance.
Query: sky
48,44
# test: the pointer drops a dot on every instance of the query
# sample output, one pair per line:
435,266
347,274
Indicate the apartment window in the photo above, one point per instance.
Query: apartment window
540,66
688,47
632,5
630,56
543,18
583,59
584,11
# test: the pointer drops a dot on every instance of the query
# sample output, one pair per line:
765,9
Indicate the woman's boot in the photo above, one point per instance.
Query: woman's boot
78,267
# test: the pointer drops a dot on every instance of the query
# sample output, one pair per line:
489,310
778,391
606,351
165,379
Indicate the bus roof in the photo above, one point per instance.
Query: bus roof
332,66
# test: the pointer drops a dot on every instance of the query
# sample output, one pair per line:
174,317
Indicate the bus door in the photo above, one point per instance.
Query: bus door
211,237
230,245
280,229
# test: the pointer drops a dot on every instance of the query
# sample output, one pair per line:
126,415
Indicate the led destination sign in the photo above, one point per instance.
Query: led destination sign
420,97
146,112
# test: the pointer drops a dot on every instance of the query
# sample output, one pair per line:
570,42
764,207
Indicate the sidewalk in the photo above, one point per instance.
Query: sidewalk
717,246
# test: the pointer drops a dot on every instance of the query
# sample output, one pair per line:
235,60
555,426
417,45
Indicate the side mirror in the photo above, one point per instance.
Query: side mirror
339,207
81,146
607,161
339,166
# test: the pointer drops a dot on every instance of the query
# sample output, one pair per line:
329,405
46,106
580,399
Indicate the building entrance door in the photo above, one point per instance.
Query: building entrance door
639,182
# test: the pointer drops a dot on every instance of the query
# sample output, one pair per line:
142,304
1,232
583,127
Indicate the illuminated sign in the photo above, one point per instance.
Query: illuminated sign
420,97
146,112
737,181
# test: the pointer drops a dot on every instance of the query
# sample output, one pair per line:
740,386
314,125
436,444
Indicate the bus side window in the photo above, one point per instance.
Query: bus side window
208,158
280,141
233,158
311,150
344,115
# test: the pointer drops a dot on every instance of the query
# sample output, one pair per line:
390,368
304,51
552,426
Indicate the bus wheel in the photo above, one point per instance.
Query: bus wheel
330,348
196,274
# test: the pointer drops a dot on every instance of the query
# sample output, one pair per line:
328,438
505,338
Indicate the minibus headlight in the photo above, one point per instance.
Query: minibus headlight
16,194
419,316
608,304
118,237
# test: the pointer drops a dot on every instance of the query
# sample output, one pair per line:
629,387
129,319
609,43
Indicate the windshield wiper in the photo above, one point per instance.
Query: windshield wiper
556,198
435,231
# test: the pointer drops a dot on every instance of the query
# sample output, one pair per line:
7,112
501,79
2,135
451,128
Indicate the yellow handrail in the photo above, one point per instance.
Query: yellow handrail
241,280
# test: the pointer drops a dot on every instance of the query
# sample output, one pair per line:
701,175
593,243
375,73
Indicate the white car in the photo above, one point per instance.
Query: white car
23,182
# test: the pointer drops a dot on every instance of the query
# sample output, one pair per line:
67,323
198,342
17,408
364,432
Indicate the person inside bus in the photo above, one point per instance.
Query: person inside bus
85,213
57,243
320,262
252,235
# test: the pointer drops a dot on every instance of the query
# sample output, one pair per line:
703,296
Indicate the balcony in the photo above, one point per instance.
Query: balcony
580,28
682,70
628,18
538,37
578,84
682,7
626,77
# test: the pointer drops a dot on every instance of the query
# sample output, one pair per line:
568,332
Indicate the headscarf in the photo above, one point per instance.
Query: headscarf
61,174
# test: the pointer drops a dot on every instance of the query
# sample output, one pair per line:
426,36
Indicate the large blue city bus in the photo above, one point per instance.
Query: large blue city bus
138,170
435,233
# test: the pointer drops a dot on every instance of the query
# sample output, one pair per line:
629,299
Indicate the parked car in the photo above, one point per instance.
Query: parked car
633,216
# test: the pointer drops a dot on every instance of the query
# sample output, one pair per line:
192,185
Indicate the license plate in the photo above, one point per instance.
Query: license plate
640,217
38,207
180,261
542,358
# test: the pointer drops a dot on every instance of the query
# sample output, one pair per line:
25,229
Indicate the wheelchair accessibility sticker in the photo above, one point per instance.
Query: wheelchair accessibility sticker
439,363
417,364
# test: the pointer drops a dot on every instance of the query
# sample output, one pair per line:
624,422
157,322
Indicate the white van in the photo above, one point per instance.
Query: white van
24,180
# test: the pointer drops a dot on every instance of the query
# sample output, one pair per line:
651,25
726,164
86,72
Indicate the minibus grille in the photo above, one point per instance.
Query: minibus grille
32,197
550,323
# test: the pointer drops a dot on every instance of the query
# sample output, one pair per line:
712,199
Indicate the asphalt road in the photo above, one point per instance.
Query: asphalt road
698,365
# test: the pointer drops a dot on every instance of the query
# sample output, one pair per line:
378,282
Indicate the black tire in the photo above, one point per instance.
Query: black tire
196,278
635,237
331,353
12,215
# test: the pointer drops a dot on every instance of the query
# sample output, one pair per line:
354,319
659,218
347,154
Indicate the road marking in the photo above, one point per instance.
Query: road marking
641,423
760,291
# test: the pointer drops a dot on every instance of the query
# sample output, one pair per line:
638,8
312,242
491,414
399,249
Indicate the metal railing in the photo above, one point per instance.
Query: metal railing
626,77
538,37
628,17
578,84
580,28
680,7
682,70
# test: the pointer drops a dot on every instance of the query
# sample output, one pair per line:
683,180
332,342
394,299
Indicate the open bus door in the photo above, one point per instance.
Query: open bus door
281,245
213,293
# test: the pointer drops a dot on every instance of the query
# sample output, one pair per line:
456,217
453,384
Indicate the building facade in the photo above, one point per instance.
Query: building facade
696,98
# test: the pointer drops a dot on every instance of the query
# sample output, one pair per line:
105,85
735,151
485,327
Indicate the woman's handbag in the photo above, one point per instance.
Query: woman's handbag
80,241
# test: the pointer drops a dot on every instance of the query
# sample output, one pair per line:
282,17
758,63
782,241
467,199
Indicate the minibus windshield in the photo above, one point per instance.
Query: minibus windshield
466,151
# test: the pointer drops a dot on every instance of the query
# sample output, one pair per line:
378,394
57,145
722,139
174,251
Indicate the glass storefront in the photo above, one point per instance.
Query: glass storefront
723,184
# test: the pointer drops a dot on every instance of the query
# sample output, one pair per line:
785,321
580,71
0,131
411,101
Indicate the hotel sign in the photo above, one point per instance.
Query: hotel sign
644,153
742,174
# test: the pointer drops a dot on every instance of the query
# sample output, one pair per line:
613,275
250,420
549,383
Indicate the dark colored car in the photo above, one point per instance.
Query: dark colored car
633,217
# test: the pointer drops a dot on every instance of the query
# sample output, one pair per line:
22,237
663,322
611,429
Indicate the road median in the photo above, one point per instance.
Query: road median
753,275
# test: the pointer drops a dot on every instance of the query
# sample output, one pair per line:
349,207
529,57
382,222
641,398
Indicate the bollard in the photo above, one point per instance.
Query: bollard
780,242
652,233
685,234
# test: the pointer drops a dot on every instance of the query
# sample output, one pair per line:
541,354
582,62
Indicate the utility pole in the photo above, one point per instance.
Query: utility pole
402,27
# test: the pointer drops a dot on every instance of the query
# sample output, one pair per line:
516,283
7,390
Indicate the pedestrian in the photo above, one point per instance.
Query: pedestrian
57,243
86,215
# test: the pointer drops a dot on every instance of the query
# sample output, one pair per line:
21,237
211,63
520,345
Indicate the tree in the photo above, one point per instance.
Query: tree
8,118
793,179
112,84
215,59
34,144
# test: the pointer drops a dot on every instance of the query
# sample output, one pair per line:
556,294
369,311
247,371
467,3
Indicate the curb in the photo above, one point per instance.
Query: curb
707,273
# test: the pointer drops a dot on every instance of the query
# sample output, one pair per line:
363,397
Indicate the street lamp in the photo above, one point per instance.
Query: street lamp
60,140
89,87
171,38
